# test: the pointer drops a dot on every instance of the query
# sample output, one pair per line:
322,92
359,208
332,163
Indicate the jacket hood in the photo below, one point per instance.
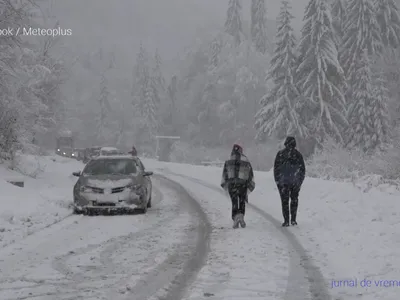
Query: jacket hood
290,142
237,150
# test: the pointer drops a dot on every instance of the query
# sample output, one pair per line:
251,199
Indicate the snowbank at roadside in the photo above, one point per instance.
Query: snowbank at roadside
44,199
351,230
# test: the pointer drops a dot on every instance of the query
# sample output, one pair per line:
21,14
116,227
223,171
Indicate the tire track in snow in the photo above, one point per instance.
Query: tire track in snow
61,265
64,219
302,267
186,261
170,277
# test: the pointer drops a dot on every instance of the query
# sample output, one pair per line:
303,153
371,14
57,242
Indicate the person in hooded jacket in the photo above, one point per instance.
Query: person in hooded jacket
133,152
289,174
238,181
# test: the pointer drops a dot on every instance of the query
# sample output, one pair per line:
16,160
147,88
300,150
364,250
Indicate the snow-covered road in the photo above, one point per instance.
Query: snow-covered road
124,257
263,261
183,248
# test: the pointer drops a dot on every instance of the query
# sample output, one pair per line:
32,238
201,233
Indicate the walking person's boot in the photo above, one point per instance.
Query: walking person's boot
241,221
285,212
293,211
236,221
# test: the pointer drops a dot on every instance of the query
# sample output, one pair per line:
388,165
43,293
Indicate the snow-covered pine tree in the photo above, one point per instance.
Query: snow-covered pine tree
214,52
146,95
379,113
156,82
320,75
171,115
258,22
233,23
361,32
149,108
338,19
278,115
104,109
361,131
157,75
141,76
389,22
207,117
121,127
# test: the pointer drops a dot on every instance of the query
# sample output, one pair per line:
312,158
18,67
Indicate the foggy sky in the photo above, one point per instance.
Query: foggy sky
169,25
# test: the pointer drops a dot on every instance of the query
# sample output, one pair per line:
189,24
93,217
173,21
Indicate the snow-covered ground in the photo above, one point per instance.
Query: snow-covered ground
350,232
347,233
44,199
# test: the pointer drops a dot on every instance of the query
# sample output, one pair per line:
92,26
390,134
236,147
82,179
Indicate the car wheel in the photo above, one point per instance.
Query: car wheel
149,203
77,211
143,208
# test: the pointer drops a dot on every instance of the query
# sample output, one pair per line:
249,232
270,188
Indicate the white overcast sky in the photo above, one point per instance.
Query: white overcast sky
167,24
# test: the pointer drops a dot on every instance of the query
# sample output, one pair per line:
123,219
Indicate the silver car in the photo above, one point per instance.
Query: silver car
113,185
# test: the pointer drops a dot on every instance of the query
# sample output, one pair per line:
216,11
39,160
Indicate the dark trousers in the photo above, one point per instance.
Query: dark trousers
238,194
291,191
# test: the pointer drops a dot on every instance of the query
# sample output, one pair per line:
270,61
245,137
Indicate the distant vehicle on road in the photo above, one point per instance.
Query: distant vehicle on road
79,154
65,146
113,185
91,152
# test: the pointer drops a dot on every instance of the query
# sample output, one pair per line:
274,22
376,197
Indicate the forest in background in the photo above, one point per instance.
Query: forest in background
335,87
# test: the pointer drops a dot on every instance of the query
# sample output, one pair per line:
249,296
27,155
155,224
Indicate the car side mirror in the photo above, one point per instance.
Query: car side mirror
77,174
148,173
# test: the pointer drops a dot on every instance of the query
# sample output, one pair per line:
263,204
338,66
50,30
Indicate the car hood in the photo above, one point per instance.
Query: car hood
108,181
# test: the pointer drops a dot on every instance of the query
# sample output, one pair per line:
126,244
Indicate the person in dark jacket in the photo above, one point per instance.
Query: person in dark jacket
133,152
238,181
289,174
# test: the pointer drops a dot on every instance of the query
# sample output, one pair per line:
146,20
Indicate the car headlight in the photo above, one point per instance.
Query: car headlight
58,150
64,153
86,189
138,188
133,186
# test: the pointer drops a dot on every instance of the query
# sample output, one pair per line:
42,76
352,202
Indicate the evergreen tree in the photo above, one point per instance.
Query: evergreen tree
389,22
379,113
361,130
172,114
278,115
141,76
104,107
149,107
145,99
157,81
258,22
233,23
207,117
215,51
158,76
339,19
361,32
320,75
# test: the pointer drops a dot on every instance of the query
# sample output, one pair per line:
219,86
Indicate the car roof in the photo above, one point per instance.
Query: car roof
118,156
109,149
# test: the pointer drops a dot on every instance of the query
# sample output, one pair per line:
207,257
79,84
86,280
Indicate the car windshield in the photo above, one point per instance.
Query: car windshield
111,166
